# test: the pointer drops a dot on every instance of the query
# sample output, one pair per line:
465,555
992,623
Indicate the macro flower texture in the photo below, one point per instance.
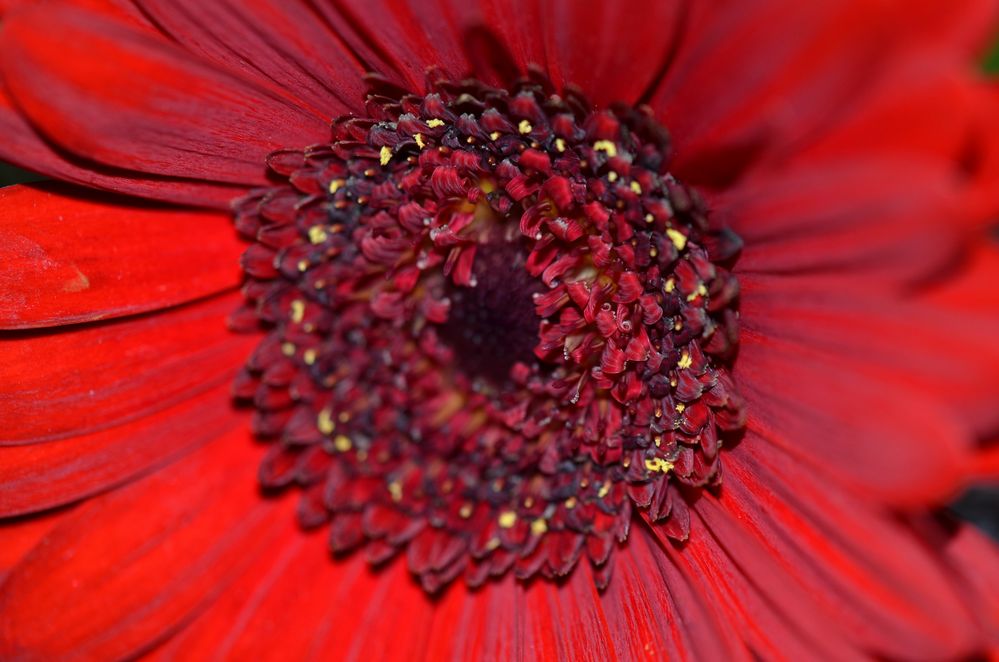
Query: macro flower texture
497,329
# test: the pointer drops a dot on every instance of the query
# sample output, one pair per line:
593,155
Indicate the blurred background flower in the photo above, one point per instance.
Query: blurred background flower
852,147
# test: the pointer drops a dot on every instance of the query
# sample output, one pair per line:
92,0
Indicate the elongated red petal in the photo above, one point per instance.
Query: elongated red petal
817,220
931,343
761,77
73,257
21,535
587,46
127,568
110,373
124,98
400,39
773,615
284,45
885,441
23,146
842,551
36,477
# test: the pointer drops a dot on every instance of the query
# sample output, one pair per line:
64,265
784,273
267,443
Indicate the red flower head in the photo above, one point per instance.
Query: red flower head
565,332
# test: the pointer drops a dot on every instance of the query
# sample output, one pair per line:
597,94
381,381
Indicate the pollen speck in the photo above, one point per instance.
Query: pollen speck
342,443
325,422
297,310
678,238
317,235
607,147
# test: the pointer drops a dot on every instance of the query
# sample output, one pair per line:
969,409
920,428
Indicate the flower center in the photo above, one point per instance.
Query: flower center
497,326
493,325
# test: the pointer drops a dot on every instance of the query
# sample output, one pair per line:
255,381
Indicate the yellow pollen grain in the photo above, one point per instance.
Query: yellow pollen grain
559,144
336,184
303,265
418,137
342,443
524,127
658,464
604,490
539,527
685,361
507,519
494,135
636,187
288,349
395,489
470,140
309,356
606,146
649,218
317,234
678,238
680,408
669,286
434,123
699,292
570,503
612,176
492,544
465,511
324,422
297,310
385,155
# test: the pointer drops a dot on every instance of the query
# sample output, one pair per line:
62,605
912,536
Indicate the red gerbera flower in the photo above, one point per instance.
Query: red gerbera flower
621,331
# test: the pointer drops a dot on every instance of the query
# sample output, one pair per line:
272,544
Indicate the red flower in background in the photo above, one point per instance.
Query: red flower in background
847,145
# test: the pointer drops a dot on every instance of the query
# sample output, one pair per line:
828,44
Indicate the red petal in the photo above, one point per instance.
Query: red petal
656,610
975,560
54,244
400,39
81,380
277,44
124,98
885,441
855,561
926,108
767,609
127,568
614,51
763,76
865,224
35,477
19,536
314,606
932,343
24,147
